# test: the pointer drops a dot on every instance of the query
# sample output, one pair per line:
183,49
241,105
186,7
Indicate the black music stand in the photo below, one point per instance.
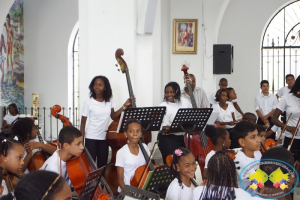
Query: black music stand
159,181
190,119
136,193
91,183
150,117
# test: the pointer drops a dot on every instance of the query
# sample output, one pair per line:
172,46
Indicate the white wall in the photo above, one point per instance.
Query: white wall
47,28
242,26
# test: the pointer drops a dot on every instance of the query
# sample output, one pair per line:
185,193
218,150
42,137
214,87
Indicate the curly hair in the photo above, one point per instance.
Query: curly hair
23,128
176,89
107,94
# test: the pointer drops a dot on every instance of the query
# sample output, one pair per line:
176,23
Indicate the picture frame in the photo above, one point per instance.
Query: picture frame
185,36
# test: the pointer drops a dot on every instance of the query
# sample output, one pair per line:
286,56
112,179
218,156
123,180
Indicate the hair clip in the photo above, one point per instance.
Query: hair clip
178,152
4,140
16,138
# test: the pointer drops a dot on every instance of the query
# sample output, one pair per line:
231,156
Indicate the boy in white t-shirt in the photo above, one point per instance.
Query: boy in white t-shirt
247,136
290,81
71,142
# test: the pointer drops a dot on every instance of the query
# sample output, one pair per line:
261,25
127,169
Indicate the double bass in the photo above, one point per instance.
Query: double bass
117,140
78,168
200,145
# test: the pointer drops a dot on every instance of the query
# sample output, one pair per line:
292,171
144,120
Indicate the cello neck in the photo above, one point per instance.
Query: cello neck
40,136
193,101
130,90
147,158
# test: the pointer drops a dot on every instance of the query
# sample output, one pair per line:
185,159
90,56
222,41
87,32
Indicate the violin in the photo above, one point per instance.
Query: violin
200,145
117,140
268,144
78,168
231,153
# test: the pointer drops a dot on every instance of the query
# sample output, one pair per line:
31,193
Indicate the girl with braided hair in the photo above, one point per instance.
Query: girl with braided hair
183,170
221,181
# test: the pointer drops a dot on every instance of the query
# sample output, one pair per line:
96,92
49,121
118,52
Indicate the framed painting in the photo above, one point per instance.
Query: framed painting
185,36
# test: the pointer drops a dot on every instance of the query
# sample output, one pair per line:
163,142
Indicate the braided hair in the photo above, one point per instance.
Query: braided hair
44,180
222,178
176,158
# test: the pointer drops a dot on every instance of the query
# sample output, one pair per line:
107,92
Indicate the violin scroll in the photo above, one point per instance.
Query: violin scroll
54,112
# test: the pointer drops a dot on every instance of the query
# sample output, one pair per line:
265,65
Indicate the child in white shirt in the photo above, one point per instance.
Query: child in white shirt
130,156
71,142
183,169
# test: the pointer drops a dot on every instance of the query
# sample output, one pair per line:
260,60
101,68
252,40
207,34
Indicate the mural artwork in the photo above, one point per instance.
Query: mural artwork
12,57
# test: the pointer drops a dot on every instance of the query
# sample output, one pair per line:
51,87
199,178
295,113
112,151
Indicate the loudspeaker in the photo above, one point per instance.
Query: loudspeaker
146,16
223,59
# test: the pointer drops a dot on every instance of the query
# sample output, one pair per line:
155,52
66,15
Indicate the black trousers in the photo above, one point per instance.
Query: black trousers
259,121
98,150
295,146
168,143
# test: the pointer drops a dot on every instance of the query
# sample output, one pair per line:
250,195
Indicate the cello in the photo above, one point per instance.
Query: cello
117,140
200,145
78,168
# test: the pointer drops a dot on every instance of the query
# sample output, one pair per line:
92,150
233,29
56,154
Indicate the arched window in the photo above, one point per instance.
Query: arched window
73,77
280,50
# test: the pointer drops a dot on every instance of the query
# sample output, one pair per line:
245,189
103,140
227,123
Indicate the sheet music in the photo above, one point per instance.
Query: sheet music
212,118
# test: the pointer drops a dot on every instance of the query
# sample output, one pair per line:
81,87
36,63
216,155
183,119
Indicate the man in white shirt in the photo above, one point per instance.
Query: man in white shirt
199,94
290,81
265,105
223,83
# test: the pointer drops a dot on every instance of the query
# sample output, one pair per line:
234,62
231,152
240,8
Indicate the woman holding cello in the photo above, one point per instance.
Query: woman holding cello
173,101
99,108
290,103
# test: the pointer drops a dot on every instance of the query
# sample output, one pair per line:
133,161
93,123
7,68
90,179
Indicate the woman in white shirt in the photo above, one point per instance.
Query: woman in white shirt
226,114
173,101
99,108
290,104
9,118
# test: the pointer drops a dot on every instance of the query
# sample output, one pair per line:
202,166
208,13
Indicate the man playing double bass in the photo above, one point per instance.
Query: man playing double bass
199,94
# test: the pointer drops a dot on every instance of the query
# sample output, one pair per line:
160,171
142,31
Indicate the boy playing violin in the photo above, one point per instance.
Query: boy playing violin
71,145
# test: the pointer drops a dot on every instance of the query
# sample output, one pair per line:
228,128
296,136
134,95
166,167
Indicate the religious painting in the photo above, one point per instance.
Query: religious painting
12,57
185,36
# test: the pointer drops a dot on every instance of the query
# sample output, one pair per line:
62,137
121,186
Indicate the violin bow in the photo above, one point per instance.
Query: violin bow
282,131
294,134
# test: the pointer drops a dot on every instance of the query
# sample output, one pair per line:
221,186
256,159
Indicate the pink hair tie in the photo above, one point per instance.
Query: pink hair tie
178,152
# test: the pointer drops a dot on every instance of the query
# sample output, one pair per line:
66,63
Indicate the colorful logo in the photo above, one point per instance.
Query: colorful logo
265,178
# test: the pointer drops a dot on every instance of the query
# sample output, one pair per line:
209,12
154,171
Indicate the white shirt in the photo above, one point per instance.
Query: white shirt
265,103
212,100
172,109
290,104
245,160
9,118
200,97
33,151
277,131
53,164
239,192
99,115
5,190
283,91
224,115
208,156
130,162
177,192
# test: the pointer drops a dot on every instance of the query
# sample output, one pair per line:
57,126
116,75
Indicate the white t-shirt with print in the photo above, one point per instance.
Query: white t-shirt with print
224,115
208,156
283,91
9,118
98,114
172,109
130,162
177,192
290,104
53,164
239,192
